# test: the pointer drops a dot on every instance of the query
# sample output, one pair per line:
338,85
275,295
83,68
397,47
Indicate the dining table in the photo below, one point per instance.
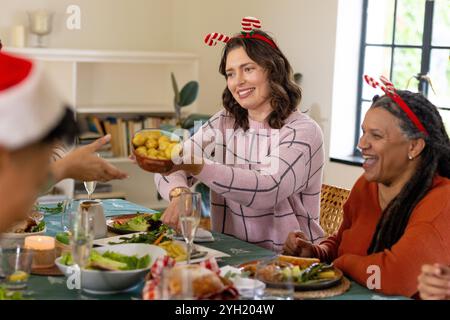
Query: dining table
54,287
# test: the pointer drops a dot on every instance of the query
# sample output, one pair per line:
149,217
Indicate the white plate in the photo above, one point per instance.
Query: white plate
210,252
247,287
201,235
109,282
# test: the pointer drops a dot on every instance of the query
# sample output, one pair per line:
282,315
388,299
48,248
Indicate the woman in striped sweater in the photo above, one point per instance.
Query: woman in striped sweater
260,156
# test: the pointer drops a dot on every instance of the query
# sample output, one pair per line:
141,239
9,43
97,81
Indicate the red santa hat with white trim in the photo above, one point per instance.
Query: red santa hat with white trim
29,105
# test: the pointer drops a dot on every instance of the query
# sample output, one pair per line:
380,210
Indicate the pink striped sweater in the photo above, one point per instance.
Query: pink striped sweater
249,200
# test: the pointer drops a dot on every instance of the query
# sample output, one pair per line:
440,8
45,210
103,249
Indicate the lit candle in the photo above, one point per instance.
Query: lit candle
44,251
39,243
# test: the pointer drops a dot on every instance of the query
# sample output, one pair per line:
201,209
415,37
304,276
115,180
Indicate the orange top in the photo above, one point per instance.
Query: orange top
426,239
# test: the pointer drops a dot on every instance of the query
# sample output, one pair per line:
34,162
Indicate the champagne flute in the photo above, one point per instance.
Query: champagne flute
82,237
90,188
190,213
90,185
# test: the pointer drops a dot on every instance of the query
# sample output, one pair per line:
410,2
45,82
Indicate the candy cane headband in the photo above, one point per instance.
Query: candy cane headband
389,89
249,25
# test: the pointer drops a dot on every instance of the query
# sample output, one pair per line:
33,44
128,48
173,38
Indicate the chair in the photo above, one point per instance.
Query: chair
332,201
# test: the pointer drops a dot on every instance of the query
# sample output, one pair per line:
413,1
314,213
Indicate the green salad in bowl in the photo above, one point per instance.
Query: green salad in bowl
113,268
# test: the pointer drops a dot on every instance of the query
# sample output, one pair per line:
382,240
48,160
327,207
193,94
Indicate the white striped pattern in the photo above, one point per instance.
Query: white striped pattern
212,38
250,23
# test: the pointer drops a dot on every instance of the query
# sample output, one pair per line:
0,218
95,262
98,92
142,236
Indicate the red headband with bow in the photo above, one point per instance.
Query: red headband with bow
249,25
389,89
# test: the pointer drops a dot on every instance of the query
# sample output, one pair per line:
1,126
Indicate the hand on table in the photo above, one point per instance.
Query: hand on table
170,216
297,245
434,282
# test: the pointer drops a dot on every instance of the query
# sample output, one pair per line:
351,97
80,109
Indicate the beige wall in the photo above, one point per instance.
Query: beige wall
304,29
106,24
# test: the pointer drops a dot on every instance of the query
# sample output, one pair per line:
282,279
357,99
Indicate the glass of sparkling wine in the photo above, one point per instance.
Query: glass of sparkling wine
82,237
90,187
190,213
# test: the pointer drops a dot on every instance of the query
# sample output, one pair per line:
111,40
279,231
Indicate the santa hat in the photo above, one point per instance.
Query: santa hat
29,106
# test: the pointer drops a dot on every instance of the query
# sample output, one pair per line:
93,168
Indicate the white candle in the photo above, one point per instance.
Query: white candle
39,243
18,36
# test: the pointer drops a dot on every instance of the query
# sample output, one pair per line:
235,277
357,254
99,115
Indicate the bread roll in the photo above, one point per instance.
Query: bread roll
303,263
204,281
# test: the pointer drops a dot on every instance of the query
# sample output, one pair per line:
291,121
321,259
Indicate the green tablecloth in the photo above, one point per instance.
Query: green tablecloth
54,288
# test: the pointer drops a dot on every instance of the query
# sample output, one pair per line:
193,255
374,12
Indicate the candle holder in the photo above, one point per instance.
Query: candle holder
44,251
40,24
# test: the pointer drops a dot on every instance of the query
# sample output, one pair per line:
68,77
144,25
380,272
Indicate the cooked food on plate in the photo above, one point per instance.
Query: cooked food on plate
135,222
28,225
203,283
174,250
301,271
303,263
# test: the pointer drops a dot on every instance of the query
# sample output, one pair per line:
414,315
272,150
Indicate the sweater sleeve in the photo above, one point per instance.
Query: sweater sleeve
290,171
327,250
399,267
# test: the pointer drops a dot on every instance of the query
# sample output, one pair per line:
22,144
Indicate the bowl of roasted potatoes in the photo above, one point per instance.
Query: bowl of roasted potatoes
154,149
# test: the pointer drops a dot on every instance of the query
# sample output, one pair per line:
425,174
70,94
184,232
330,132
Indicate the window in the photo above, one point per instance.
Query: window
408,41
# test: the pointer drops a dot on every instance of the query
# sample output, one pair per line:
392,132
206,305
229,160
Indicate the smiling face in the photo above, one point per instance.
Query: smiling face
248,82
385,148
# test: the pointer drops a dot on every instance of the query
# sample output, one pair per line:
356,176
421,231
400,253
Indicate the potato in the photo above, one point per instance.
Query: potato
153,134
163,139
142,151
168,152
163,145
152,142
152,153
139,140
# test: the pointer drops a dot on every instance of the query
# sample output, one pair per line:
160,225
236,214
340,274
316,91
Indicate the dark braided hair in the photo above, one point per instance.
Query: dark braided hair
285,93
434,159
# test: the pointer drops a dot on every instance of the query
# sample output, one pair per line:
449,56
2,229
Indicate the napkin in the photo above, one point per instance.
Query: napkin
201,235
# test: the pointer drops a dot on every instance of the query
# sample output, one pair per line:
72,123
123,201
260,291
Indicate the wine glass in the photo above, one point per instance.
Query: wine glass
90,185
81,238
90,188
190,213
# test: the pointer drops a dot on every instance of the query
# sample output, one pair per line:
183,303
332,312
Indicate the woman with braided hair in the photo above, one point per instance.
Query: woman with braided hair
397,217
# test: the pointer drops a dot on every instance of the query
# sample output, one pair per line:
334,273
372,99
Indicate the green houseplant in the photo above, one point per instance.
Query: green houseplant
183,98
